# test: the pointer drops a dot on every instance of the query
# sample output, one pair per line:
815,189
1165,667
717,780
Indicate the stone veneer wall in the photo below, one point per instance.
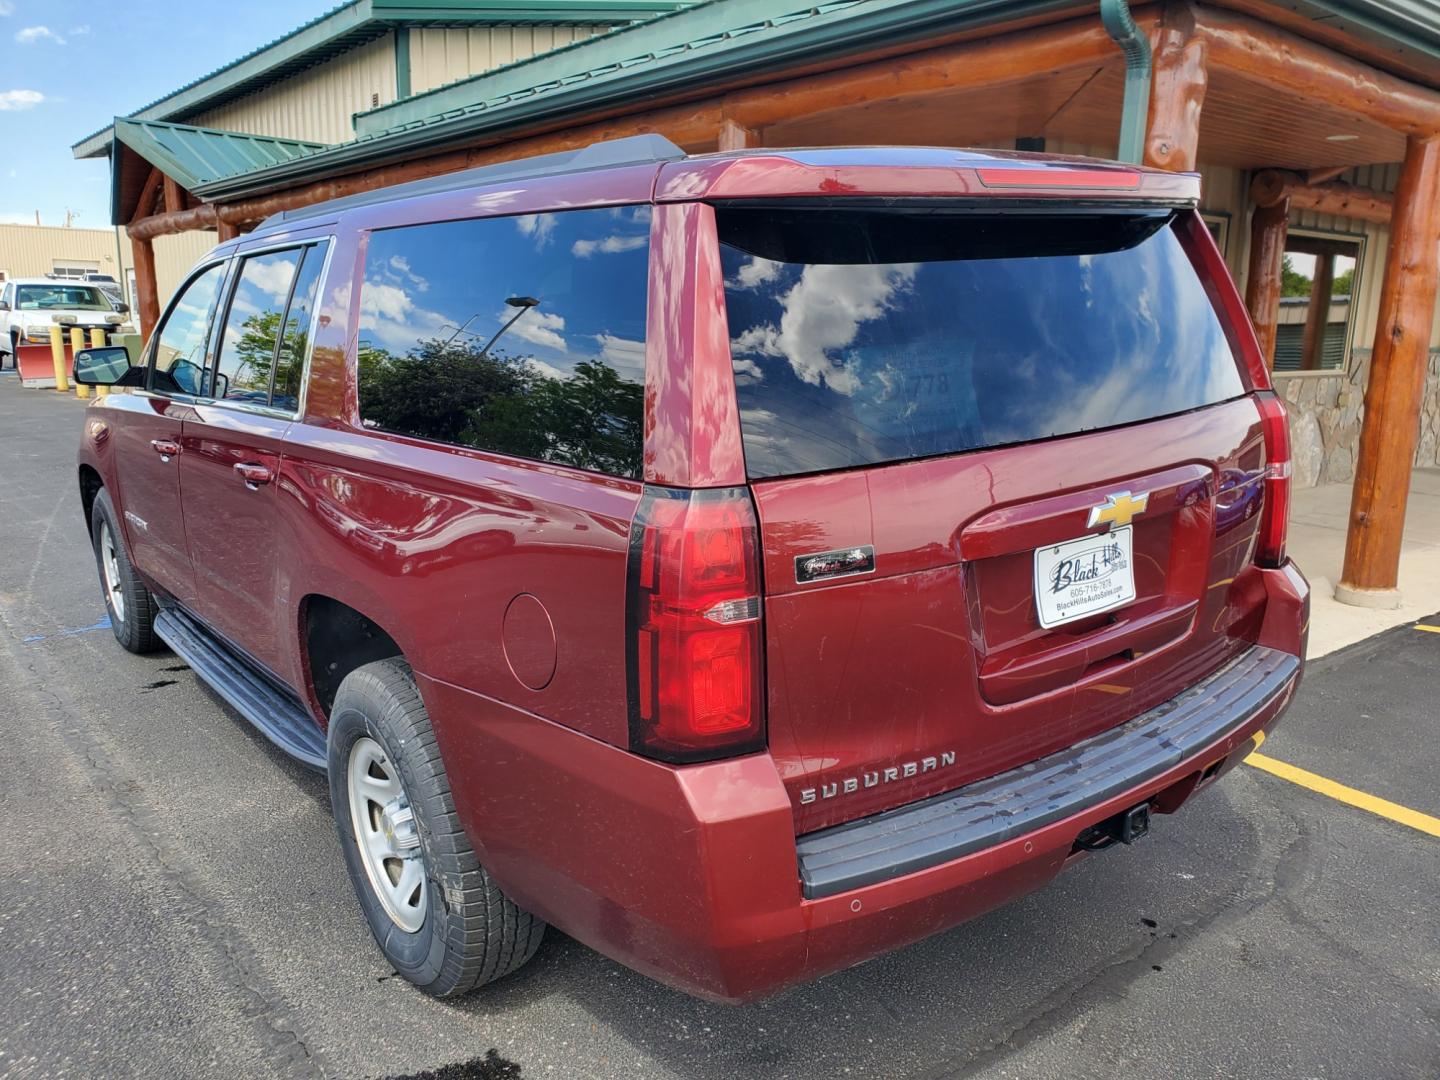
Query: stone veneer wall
1325,412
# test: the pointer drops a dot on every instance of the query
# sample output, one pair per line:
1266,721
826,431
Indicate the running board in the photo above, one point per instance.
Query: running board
278,715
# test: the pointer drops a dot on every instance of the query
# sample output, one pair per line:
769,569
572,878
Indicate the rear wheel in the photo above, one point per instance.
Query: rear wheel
438,916
15,350
127,601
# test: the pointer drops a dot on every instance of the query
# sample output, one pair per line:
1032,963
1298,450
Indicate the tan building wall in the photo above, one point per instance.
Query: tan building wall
315,104
33,250
438,57
318,104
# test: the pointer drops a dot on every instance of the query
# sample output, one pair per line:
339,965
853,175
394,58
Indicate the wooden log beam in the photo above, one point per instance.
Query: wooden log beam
1262,283
174,197
1271,56
200,217
1397,380
1312,346
145,204
147,294
226,230
735,136
1177,91
1272,186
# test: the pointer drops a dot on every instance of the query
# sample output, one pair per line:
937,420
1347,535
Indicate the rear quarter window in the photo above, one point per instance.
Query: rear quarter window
873,335
517,335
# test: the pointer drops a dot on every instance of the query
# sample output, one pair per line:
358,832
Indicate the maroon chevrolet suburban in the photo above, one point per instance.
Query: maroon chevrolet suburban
747,563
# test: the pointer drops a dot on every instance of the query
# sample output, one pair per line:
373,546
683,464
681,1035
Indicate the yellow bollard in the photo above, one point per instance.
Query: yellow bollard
97,341
57,353
77,342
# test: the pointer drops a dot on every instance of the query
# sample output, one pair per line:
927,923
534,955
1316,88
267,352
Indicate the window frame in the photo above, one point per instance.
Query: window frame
152,346
228,289
364,232
1359,239
232,262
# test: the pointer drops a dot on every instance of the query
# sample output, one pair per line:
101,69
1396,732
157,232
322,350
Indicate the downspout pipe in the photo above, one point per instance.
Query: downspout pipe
1120,25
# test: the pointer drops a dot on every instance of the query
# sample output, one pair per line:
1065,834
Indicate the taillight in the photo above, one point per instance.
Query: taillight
694,648
1275,516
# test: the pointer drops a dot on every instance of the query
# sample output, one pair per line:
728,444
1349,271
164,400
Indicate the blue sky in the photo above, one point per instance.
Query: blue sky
67,67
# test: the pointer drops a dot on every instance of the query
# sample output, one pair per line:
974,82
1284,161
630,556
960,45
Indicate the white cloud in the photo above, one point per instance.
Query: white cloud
31,34
79,31
756,272
609,246
625,356
822,314
535,326
271,277
538,227
15,100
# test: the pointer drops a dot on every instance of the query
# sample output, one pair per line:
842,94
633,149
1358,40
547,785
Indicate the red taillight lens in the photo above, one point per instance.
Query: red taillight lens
693,624
1275,516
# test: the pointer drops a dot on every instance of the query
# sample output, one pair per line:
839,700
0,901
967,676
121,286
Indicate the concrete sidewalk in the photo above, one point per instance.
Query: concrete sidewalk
1318,518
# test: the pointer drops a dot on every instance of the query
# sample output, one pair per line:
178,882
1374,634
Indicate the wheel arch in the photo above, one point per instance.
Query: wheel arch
90,484
336,638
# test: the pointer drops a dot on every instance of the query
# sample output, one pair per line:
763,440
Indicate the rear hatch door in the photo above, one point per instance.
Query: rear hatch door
1007,477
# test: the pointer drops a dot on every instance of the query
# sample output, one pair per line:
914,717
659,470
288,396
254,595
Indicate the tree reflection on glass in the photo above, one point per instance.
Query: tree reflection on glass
456,392
518,335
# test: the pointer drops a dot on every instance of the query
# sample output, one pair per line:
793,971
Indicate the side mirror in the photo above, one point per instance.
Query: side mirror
123,309
107,366
4,306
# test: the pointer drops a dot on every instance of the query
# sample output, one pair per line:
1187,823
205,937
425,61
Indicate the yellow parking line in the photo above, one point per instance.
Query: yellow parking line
1423,626
1348,795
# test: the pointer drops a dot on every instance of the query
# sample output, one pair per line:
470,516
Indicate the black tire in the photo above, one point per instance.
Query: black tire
133,620
472,932
14,351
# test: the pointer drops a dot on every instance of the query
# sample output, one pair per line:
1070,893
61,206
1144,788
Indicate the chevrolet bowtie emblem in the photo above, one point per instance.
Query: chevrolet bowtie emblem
1118,509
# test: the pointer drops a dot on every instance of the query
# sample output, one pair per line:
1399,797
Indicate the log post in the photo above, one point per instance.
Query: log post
1262,283
225,230
147,296
735,136
1397,380
1317,316
1177,92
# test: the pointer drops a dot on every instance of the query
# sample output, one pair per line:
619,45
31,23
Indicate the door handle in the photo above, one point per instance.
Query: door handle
254,475
166,448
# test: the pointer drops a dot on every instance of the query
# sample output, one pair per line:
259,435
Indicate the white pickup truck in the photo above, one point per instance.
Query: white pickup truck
28,307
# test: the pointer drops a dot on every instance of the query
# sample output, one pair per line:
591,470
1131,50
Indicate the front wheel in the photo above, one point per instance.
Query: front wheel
438,916
127,601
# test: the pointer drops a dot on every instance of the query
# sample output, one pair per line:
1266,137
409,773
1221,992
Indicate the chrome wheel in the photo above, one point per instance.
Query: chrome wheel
386,834
110,564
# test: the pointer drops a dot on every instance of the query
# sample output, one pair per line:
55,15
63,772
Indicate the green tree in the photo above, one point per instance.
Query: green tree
1292,282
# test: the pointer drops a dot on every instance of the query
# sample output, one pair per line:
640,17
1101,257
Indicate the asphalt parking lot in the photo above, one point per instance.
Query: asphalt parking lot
173,902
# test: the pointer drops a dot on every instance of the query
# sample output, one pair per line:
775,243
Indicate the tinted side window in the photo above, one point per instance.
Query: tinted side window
518,335
252,329
295,340
178,364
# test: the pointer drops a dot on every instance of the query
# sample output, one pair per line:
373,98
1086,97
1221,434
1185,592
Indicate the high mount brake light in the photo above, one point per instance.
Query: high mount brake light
693,630
1275,517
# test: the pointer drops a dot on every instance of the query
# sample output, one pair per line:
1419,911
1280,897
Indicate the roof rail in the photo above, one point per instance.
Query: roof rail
613,153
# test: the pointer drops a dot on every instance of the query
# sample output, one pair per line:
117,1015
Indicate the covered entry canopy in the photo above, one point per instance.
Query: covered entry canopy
1286,96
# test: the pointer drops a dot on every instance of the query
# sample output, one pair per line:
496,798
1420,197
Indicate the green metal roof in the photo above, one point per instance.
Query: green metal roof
708,43
354,23
712,43
195,156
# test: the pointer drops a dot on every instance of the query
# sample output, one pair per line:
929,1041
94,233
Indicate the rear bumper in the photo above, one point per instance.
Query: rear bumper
694,875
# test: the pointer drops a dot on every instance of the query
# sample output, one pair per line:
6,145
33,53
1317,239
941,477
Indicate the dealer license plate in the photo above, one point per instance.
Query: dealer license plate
1085,576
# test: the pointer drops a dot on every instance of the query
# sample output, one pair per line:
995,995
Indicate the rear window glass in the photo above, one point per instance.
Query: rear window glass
861,336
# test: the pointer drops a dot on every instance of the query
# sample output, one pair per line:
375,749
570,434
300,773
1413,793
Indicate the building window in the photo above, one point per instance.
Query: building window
1319,276
521,335
1218,222
74,271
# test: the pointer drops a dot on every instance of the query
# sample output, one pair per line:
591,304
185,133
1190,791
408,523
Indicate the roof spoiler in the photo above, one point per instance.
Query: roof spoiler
648,149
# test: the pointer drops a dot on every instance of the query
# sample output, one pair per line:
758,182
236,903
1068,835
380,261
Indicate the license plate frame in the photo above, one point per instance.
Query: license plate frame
1085,576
